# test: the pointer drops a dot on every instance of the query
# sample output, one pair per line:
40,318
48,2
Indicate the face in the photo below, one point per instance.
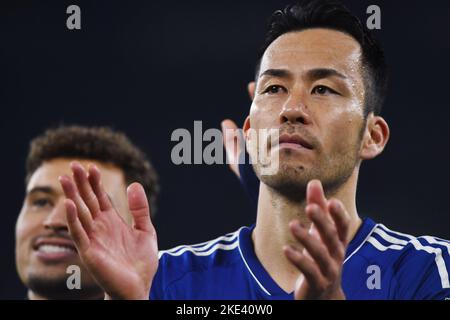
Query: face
44,248
310,87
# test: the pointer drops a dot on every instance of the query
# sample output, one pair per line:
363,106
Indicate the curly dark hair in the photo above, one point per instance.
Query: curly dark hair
95,143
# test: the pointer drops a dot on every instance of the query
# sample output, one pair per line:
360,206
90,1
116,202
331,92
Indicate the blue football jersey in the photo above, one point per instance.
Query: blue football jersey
379,264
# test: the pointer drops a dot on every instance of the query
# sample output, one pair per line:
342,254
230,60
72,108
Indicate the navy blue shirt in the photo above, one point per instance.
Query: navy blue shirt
379,264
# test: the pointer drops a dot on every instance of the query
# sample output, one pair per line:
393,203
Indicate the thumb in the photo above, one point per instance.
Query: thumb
139,207
315,194
232,143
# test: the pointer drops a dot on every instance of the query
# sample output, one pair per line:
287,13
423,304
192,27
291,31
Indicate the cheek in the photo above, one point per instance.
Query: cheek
262,117
21,229
342,132
27,227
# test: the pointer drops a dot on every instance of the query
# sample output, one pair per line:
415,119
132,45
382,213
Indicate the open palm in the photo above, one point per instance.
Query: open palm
122,258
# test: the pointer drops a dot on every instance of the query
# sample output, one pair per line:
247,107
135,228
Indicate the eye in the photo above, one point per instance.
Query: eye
41,202
274,89
323,90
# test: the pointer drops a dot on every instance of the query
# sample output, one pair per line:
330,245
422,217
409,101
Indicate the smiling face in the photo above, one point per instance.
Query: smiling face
311,88
44,248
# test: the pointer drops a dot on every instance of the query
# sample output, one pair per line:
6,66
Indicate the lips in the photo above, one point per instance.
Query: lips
294,140
54,249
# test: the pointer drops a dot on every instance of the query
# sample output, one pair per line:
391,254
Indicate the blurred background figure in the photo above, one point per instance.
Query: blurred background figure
44,248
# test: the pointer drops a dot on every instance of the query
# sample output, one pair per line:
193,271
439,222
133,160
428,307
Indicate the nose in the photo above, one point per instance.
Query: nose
56,219
295,112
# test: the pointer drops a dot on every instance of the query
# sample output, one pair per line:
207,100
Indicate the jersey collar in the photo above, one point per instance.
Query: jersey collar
262,277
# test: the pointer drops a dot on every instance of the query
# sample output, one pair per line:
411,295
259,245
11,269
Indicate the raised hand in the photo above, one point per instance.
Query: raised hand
232,143
324,246
123,259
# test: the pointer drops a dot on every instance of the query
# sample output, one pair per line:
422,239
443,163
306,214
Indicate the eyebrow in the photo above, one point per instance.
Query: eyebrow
277,73
48,190
313,74
322,73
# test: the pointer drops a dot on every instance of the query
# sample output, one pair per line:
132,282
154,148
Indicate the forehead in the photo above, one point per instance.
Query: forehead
314,48
47,174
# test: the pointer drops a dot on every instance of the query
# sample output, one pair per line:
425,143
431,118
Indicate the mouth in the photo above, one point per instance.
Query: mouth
54,249
294,141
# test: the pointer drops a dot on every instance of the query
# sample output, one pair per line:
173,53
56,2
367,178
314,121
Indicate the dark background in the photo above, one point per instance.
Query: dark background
149,67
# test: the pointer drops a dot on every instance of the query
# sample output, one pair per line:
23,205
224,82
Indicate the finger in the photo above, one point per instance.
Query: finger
84,188
139,208
315,249
306,266
76,230
340,218
71,192
232,143
97,187
327,231
315,194
251,86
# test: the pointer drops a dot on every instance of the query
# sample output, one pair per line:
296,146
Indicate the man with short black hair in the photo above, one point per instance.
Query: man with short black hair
320,85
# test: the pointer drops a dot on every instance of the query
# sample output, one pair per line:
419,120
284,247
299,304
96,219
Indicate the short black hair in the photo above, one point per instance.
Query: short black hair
95,143
332,14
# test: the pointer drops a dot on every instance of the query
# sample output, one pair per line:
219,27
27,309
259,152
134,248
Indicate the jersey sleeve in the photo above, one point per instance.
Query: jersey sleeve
162,279
423,270
170,270
157,289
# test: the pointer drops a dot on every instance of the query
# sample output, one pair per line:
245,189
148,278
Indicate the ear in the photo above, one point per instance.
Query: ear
375,137
251,89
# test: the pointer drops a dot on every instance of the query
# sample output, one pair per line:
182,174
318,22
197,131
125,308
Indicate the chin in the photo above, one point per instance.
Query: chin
290,178
52,284
49,272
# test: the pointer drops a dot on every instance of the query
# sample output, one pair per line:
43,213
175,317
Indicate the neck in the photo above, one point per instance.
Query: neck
271,233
